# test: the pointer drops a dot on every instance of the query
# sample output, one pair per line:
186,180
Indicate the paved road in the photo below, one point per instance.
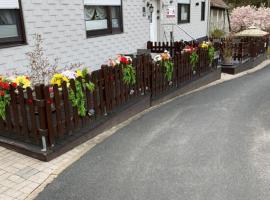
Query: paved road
210,145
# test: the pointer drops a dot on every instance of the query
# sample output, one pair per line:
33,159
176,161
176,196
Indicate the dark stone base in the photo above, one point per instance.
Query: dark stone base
238,68
208,78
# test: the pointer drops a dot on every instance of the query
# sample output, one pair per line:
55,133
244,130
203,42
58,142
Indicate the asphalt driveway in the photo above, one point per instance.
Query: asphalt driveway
210,145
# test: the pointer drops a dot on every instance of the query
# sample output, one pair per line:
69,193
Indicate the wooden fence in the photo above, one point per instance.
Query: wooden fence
242,49
46,111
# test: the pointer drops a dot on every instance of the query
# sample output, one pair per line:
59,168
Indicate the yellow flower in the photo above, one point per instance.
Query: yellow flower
79,73
204,45
58,79
23,81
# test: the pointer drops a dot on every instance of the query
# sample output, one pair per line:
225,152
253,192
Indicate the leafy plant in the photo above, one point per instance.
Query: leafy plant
168,69
129,74
217,33
77,96
5,96
194,59
211,54
165,61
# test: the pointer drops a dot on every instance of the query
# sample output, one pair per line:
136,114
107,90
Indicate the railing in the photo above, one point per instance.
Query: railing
44,116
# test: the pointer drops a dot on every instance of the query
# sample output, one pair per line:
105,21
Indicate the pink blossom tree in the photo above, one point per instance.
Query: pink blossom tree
246,16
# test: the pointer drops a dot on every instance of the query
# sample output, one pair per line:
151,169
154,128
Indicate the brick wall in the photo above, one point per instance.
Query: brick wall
61,23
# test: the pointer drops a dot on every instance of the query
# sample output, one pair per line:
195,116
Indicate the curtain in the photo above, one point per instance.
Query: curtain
95,13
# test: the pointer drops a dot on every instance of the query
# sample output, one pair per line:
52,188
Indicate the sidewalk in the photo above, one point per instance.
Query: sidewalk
22,177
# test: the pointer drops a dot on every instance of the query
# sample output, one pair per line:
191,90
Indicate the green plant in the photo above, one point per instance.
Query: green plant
77,96
129,74
217,33
168,69
211,54
194,59
4,96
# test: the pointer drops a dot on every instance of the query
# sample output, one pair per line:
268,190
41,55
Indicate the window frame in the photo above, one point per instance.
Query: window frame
179,6
110,30
21,38
203,10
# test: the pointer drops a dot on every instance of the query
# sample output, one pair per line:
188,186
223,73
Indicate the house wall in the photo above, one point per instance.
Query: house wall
219,20
196,28
62,26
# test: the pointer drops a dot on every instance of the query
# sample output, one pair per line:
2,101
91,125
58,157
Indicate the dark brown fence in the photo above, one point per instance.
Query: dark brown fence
244,48
183,72
46,112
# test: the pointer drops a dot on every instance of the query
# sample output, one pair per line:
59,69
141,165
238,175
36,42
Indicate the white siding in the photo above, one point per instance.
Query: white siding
62,26
196,28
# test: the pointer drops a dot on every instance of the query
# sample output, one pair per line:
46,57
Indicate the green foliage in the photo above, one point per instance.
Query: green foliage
211,54
129,74
4,102
194,59
217,33
77,96
169,69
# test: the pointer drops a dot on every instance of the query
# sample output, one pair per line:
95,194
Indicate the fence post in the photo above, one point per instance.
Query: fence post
43,130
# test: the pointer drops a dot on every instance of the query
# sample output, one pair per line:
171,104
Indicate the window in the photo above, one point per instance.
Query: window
203,11
11,23
103,19
183,13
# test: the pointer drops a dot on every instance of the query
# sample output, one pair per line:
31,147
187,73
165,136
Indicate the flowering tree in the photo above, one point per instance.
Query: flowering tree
41,71
246,16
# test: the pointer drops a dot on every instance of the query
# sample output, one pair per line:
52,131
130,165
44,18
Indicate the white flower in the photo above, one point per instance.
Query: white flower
69,74
129,58
157,58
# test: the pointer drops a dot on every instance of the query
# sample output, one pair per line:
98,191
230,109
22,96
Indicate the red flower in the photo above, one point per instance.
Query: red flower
124,60
2,93
30,101
14,85
49,101
6,86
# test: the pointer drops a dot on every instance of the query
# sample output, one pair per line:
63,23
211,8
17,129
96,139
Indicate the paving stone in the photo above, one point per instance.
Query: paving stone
27,172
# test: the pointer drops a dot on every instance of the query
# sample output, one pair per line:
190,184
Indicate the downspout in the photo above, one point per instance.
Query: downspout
209,18
229,20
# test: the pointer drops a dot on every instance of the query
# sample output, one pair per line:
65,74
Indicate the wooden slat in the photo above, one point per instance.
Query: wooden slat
49,118
23,114
31,106
14,108
68,118
58,110
75,109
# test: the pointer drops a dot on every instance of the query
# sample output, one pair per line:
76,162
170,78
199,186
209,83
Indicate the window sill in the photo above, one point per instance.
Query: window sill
10,45
103,35
184,22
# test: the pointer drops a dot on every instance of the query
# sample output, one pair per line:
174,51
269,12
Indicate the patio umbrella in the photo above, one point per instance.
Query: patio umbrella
252,32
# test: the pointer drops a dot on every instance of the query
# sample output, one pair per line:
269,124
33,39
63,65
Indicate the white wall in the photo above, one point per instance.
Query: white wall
61,23
196,28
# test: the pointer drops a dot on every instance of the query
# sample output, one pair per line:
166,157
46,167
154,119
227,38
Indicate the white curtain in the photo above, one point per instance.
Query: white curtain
103,2
9,4
8,27
95,13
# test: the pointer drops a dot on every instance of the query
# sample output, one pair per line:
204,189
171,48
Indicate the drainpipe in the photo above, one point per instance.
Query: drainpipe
209,18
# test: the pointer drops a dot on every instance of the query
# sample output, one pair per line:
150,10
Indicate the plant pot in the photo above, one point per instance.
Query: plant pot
227,60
